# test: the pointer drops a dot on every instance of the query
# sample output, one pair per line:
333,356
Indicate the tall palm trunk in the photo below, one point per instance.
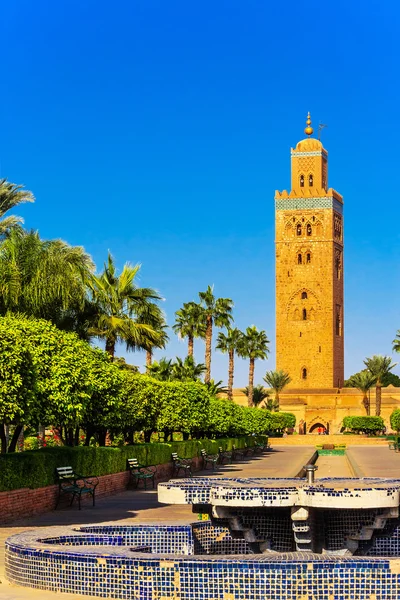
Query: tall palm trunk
277,407
378,398
110,347
366,404
251,382
190,345
207,376
149,359
230,373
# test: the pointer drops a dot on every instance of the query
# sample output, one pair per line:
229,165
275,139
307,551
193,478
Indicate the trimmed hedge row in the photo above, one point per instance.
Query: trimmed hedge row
37,468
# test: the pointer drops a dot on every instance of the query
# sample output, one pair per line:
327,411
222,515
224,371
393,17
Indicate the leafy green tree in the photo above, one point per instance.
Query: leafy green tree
17,384
72,380
11,195
229,343
187,369
259,394
189,324
43,278
365,424
279,421
364,381
253,345
119,302
395,420
142,400
222,419
216,311
277,380
379,367
185,408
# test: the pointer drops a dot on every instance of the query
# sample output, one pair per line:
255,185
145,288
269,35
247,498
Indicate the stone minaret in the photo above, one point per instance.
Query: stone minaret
309,272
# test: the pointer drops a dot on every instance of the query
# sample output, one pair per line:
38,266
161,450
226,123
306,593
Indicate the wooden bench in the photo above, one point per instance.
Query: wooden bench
75,485
181,464
249,450
224,455
261,447
139,473
237,454
209,459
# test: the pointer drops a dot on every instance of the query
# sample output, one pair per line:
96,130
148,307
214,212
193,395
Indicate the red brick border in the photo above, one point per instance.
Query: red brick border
22,503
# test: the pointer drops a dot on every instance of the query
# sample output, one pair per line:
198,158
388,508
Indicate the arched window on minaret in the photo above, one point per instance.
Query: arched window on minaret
303,295
309,229
308,258
298,229
304,314
310,180
299,259
304,373
301,180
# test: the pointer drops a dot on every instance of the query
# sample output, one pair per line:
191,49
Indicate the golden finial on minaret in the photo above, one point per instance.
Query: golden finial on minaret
308,130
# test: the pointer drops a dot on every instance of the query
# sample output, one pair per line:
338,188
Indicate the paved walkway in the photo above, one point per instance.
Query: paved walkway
143,507
376,461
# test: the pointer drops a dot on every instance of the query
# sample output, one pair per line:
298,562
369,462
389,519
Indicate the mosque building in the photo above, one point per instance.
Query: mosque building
309,233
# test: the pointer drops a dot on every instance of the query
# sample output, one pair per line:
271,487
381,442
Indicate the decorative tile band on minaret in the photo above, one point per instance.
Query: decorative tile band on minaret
309,271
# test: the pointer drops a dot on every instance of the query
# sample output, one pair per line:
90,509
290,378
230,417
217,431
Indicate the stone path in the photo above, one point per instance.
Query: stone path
143,507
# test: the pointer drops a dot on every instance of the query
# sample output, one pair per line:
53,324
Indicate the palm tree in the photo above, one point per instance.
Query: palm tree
259,394
253,345
363,381
229,343
161,370
216,387
43,278
189,323
10,196
152,315
119,304
271,405
396,342
379,366
187,370
215,311
277,380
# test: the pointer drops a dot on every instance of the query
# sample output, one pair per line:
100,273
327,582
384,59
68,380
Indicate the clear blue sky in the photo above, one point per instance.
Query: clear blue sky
160,130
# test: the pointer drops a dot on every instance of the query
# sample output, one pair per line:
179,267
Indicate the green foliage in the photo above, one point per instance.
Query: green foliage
119,308
259,393
387,379
43,278
395,420
364,424
38,468
10,196
277,380
49,376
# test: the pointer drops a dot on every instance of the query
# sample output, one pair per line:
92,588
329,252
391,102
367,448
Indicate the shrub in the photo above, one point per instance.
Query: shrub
395,420
364,424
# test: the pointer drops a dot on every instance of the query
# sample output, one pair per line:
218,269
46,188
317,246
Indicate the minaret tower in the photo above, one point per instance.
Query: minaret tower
309,272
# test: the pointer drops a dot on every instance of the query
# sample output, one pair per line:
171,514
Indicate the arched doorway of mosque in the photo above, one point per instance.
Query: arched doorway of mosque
318,426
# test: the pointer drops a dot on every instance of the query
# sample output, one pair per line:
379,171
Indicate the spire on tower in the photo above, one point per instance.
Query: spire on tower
308,130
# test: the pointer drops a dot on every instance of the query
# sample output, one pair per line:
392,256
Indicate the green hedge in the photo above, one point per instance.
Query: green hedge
37,468
364,424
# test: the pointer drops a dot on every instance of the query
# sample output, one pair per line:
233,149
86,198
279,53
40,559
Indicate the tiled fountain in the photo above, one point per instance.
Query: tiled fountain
265,539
